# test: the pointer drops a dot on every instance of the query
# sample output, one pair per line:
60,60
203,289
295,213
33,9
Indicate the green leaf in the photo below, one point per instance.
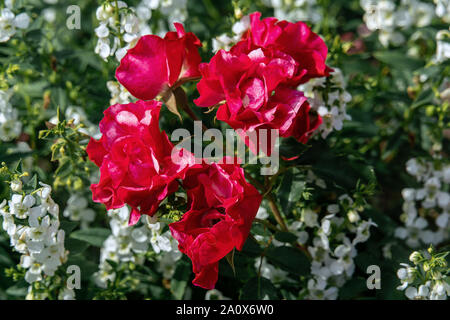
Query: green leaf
398,60
289,259
76,246
290,190
64,168
257,289
68,226
230,260
353,288
251,248
17,291
93,236
180,279
285,237
19,168
33,183
424,98
5,259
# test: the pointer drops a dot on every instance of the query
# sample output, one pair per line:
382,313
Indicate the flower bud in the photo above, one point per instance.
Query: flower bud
415,257
16,185
353,216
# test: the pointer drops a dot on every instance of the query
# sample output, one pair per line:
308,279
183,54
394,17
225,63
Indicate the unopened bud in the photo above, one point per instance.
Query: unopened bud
415,257
16,185
353,216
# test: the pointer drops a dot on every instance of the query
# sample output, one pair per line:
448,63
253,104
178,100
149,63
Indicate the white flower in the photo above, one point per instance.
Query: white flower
102,30
22,21
442,220
262,213
309,217
10,126
442,46
408,194
443,9
269,271
333,110
49,15
118,92
77,210
333,208
402,273
7,29
363,231
215,294
41,243
103,48
66,294
412,293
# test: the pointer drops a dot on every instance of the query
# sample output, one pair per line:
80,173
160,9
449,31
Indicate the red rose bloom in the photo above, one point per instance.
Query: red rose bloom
287,110
155,64
294,39
254,82
242,80
135,161
222,208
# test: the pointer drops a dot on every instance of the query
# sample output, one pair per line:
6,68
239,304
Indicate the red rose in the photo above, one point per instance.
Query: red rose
245,82
156,64
135,161
242,80
222,208
254,82
287,110
294,39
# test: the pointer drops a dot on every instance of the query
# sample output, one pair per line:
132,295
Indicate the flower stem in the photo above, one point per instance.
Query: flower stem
279,218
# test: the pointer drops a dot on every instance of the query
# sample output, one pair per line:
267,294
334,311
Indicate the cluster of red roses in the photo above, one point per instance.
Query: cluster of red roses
254,83
258,76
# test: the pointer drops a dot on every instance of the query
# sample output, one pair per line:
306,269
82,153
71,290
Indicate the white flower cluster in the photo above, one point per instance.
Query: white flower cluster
116,37
296,10
434,286
9,22
110,28
269,271
119,94
443,10
334,247
225,42
10,126
331,107
429,203
49,14
442,46
77,210
32,223
390,19
130,243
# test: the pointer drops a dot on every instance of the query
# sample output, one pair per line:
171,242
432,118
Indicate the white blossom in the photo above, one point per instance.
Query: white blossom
334,110
9,22
77,210
390,18
32,223
10,126
130,243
